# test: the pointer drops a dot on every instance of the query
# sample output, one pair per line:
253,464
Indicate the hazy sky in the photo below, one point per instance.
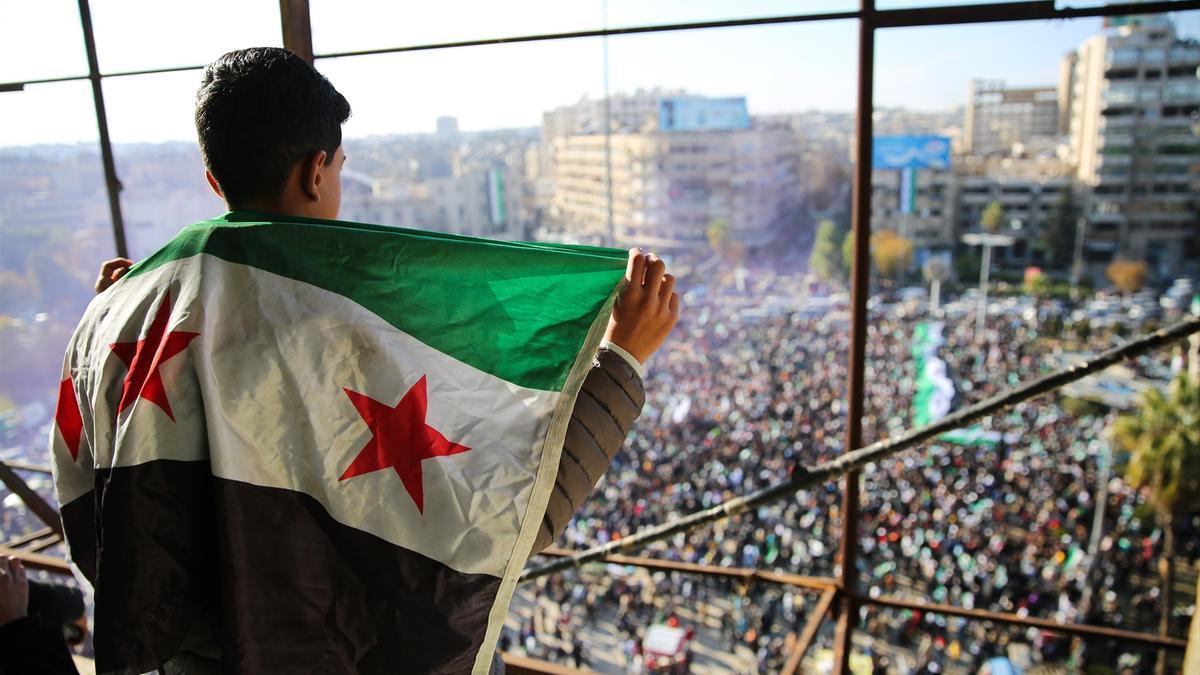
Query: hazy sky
778,68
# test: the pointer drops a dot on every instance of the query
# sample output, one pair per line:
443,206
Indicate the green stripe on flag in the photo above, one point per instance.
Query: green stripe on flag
520,311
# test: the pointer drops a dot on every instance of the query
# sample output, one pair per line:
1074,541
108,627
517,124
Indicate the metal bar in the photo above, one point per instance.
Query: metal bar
805,477
603,32
17,542
296,22
106,153
15,86
800,580
828,586
932,16
32,499
38,561
860,290
523,665
43,544
25,466
1085,630
810,631
1018,11
7,86
742,573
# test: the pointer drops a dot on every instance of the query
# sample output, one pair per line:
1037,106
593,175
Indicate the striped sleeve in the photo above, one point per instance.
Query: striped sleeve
610,401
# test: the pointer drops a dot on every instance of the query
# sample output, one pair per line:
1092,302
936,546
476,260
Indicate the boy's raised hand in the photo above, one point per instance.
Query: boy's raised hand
110,271
647,308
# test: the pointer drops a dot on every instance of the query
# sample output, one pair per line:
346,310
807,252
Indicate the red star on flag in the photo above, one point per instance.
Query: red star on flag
400,439
144,358
67,417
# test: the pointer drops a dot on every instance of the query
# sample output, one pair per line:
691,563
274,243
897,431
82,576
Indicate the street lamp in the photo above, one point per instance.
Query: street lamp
988,242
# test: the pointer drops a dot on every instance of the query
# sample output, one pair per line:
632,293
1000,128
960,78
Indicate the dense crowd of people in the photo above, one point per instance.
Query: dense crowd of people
746,391
741,396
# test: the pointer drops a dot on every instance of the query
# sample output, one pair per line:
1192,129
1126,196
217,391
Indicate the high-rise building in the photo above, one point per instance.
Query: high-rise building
447,127
698,161
1134,100
998,116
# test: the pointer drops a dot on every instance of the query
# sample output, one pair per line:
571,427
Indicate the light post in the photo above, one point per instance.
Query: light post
1077,261
988,242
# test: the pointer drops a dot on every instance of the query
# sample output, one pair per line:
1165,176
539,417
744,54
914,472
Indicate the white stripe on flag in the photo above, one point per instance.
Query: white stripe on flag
294,427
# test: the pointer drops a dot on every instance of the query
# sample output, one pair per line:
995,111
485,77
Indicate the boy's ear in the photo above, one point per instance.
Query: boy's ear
212,183
311,175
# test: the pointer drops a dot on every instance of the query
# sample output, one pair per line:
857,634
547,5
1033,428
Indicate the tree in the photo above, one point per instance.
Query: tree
824,260
891,253
1127,275
1037,285
1163,438
1057,238
848,252
718,235
992,218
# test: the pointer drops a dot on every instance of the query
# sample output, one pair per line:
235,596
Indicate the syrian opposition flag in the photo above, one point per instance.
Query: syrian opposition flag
934,392
314,446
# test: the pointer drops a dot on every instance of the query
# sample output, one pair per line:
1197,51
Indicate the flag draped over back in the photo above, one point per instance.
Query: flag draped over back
313,446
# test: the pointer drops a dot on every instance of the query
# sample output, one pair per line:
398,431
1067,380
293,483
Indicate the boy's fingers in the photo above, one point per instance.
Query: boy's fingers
110,266
636,268
17,570
673,305
654,275
668,287
118,273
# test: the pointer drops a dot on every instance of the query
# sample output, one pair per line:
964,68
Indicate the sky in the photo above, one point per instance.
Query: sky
779,68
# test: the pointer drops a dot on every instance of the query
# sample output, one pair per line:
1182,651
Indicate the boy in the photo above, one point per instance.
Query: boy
270,133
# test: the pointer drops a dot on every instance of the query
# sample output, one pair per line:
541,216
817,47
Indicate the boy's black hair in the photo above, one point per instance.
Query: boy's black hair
258,112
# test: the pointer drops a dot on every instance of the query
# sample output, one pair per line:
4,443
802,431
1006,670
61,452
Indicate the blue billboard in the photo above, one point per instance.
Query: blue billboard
911,152
697,113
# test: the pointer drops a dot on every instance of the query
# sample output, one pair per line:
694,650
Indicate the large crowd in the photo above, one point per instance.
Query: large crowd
746,391
741,396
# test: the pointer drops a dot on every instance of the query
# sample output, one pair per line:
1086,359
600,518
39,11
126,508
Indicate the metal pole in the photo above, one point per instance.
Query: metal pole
611,231
1085,630
1101,503
111,182
985,268
296,23
1077,261
859,290
33,501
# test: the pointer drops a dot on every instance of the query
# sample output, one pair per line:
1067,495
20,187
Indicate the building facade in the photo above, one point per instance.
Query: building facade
668,187
1134,99
999,117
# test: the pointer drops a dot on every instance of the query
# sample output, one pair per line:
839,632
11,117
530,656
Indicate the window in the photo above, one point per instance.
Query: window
58,50
151,121
54,231
212,28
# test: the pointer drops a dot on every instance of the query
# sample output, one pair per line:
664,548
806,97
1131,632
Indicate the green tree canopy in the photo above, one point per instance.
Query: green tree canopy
1057,238
992,218
718,235
891,253
1162,437
848,252
825,261
1127,275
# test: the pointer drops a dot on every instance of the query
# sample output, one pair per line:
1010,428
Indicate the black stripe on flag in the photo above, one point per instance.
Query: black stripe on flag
281,584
